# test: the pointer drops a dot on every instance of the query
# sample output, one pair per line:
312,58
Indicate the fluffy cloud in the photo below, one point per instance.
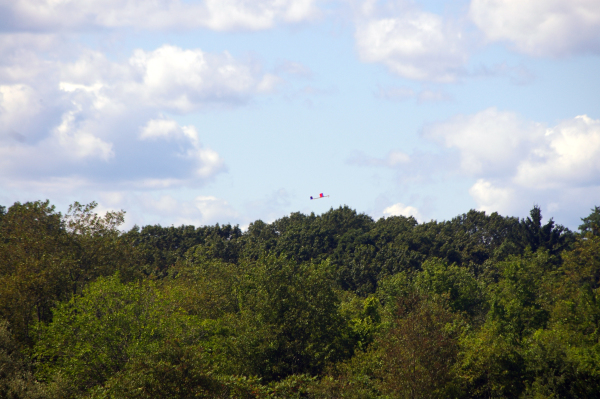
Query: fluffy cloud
490,142
202,210
541,27
518,163
208,162
56,15
567,156
493,199
183,80
400,209
93,119
411,43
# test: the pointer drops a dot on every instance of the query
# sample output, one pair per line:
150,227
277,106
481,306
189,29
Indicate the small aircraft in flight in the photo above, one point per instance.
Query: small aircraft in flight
319,197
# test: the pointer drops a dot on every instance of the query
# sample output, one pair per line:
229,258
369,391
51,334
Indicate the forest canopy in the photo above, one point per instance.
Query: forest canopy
336,305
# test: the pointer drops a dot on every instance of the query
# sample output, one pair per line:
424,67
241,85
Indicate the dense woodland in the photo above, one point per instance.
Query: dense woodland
310,306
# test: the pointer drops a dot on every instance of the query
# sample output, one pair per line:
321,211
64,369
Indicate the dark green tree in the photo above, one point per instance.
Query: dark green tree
554,238
591,223
289,320
36,258
16,378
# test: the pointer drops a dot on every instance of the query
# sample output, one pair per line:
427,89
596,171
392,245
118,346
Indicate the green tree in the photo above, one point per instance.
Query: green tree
419,351
522,300
490,364
162,247
289,320
94,335
35,261
554,238
98,246
46,257
563,361
175,371
16,378
591,223
456,283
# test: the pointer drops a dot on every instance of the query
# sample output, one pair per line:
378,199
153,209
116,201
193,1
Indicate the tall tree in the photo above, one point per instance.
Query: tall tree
554,238
591,223
35,261
419,351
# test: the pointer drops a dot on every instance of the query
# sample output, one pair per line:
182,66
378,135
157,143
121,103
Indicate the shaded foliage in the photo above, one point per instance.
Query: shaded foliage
308,306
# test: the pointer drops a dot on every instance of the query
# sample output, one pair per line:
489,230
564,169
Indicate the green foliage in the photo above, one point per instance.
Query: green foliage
457,284
308,306
490,364
549,236
591,223
419,351
94,336
175,371
207,288
45,257
521,300
162,247
289,321
98,246
16,379
35,261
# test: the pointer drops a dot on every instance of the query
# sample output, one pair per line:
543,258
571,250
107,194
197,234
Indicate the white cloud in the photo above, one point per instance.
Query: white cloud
160,128
491,198
411,43
57,15
17,104
568,156
100,120
78,142
184,80
519,163
208,162
541,27
490,142
202,210
400,209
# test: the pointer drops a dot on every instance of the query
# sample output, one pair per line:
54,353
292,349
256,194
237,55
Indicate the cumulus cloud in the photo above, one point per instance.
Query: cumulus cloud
57,15
491,198
541,27
92,118
400,209
518,163
489,142
184,80
202,210
208,162
567,156
412,43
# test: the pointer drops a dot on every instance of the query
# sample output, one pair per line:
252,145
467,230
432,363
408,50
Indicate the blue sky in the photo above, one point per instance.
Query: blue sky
229,111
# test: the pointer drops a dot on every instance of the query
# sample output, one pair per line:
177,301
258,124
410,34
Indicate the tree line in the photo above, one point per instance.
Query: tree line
336,305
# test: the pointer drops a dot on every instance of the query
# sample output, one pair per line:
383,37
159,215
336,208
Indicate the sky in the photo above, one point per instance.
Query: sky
229,111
